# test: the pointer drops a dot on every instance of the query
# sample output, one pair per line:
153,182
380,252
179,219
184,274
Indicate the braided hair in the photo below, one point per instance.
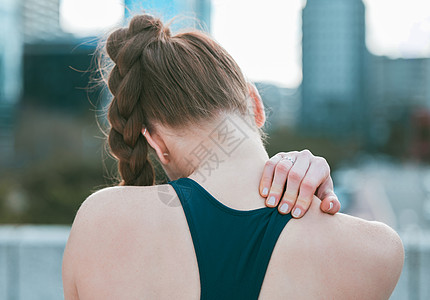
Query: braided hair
174,80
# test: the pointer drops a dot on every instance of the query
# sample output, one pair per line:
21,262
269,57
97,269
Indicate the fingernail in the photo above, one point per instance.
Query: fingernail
331,206
284,208
265,191
297,212
271,201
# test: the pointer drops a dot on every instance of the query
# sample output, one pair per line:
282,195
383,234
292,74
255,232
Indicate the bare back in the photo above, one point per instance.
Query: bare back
128,243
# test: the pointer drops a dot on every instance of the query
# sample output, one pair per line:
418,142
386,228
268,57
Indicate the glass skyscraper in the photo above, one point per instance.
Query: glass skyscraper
334,56
167,9
11,48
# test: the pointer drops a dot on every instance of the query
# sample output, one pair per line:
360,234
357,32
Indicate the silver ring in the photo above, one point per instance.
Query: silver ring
289,158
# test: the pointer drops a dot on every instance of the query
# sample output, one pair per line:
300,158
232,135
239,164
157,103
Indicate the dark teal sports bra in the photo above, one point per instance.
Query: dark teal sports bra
233,247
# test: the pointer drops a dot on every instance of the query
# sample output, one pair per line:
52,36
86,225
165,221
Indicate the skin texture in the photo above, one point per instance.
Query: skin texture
130,243
127,244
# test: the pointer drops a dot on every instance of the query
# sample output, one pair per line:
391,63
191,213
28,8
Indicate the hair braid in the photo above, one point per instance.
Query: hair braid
125,114
174,81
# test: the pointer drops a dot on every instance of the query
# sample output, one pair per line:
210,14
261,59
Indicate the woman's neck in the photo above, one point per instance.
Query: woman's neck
227,159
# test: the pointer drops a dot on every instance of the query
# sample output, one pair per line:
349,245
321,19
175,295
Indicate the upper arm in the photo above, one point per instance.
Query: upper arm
77,244
70,261
373,255
385,258
69,286
345,256
104,231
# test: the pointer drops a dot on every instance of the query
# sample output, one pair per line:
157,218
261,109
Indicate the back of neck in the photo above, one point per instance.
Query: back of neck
231,162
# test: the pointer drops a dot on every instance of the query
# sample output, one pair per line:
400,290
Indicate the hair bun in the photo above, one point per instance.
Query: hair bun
114,42
146,23
146,26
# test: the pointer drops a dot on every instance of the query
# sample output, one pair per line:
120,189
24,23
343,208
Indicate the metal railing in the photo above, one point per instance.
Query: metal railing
31,256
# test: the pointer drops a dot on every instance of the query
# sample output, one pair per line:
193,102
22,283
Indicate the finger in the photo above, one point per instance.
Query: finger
315,175
330,204
278,185
329,201
295,177
267,177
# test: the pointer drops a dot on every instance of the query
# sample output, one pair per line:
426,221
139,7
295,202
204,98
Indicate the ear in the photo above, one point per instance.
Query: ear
259,114
157,143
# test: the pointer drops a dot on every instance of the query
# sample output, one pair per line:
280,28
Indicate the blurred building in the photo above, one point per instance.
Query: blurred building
397,88
167,9
55,61
399,82
22,24
41,20
281,105
11,48
334,55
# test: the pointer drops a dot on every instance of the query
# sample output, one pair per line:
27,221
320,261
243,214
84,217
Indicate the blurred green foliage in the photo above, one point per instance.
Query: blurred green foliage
48,191
334,151
62,161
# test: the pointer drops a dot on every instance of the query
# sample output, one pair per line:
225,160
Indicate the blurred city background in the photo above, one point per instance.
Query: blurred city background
347,79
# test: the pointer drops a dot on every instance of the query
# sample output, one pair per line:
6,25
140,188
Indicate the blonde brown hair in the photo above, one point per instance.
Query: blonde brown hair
172,80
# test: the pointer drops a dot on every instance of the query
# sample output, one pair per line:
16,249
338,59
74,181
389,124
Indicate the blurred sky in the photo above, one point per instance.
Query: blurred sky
264,36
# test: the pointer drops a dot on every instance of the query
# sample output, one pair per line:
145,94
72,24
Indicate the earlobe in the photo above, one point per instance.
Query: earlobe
258,107
157,143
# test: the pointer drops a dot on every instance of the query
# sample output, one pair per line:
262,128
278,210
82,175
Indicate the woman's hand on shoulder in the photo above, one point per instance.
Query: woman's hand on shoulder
291,179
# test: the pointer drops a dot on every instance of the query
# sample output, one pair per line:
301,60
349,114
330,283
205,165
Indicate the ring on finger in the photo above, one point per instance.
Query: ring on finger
289,158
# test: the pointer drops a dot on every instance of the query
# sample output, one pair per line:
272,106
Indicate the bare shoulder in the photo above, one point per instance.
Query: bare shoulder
352,255
108,213
104,212
120,196
114,205
112,222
